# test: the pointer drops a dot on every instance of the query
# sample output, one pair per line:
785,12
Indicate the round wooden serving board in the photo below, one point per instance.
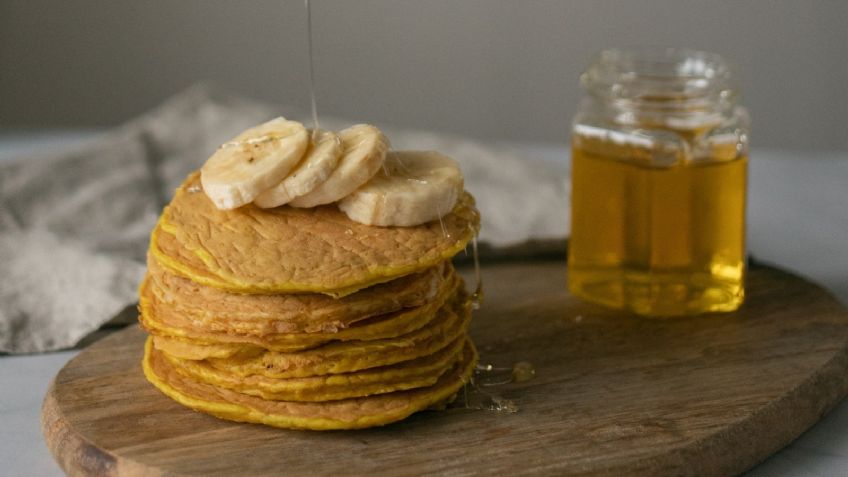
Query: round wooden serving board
614,395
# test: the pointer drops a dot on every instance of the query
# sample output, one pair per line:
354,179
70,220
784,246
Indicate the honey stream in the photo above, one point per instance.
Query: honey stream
313,102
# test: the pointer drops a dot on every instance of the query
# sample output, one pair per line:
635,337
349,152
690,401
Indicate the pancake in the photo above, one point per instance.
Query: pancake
356,413
291,250
417,373
345,357
185,348
265,315
195,341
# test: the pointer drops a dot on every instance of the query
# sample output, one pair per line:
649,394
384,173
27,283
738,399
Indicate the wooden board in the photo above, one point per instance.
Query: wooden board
614,395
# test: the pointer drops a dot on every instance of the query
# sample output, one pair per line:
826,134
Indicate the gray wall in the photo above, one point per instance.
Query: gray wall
491,69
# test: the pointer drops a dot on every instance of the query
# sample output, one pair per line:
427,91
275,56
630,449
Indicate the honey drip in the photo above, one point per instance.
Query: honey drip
477,296
475,397
313,103
442,224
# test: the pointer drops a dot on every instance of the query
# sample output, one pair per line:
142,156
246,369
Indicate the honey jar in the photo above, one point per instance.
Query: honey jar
659,172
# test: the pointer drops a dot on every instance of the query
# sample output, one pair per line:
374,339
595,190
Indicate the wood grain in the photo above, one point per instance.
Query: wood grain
614,395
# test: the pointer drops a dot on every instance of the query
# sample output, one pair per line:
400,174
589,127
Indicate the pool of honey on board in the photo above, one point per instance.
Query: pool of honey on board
658,239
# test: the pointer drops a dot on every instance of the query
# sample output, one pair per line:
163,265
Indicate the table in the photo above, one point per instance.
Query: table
798,219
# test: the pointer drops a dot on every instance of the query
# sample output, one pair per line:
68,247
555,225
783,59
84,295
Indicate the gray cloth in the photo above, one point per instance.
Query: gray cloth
74,225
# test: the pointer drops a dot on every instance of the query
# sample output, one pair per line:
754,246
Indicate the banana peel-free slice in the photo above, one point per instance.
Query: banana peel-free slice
252,162
413,188
364,152
320,161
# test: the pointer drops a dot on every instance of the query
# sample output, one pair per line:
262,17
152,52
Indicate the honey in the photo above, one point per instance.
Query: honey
659,177
656,240
312,102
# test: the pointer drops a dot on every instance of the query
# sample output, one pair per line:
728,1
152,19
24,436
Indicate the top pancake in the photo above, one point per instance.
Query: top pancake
291,250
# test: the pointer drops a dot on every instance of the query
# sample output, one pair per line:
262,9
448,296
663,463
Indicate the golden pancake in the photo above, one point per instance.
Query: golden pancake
291,250
417,373
349,356
185,348
355,413
264,315
190,340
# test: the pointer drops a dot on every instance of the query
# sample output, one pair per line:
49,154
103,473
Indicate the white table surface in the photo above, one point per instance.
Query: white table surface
798,219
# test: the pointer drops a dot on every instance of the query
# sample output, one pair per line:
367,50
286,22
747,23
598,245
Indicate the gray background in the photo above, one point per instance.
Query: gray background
495,69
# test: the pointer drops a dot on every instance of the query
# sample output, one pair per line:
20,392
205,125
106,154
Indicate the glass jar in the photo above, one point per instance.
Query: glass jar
659,177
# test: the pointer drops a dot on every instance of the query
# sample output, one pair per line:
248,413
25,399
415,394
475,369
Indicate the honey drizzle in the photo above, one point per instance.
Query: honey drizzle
477,397
442,223
313,102
477,296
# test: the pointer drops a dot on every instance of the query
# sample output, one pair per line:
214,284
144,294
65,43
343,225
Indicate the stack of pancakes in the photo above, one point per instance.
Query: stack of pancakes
302,318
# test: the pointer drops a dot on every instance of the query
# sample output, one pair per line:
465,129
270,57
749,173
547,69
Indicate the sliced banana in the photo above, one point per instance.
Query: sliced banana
252,162
414,187
322,157
364,151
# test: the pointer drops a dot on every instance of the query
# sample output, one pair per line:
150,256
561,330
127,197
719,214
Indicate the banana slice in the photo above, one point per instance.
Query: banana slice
364,151
321,158
252,162
414,187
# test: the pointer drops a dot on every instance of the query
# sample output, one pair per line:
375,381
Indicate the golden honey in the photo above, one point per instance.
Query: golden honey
658,206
